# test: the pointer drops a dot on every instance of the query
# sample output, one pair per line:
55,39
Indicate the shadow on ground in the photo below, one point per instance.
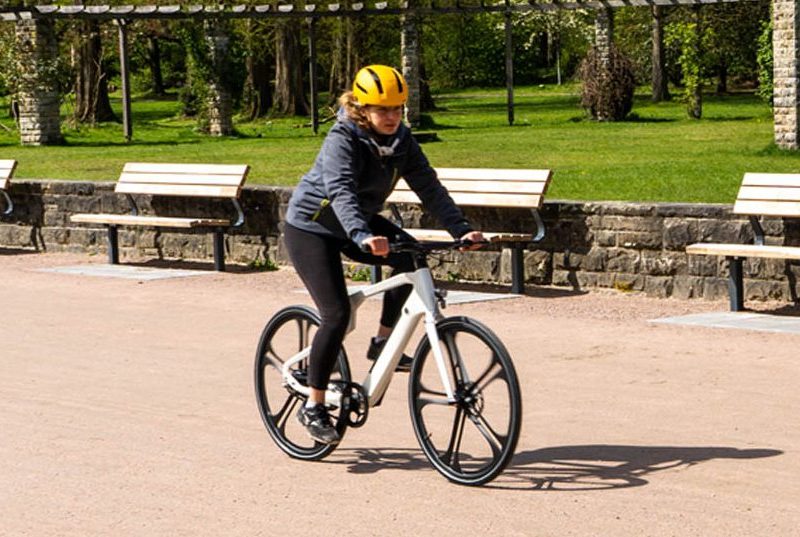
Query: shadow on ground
565,468
530,289
17,251
192,265
788,310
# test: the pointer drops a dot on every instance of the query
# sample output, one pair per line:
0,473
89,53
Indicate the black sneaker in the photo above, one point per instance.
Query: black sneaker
318,423
375,348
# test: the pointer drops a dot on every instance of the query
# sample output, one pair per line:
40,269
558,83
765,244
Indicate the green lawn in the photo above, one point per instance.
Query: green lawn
658,155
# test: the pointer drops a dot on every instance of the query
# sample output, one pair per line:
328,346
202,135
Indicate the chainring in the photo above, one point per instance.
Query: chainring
355,405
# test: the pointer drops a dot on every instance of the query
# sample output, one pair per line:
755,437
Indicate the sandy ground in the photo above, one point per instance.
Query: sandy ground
127,409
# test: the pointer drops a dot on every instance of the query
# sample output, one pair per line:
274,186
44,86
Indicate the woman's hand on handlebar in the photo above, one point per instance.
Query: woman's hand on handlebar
377,245
476,238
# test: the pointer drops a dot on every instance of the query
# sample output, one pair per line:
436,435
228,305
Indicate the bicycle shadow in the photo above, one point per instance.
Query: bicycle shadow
372,460
569,468
606,467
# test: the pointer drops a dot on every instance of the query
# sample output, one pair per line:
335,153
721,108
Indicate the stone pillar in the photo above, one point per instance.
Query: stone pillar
220,102
410,51
603,32
37,63
786,53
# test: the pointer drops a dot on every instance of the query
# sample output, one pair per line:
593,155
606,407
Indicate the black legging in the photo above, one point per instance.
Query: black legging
317,259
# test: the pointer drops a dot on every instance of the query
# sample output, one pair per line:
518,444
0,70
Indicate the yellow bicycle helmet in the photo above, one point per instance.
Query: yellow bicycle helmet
380,85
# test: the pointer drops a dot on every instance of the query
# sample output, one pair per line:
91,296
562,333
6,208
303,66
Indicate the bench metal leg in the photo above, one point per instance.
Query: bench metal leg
113,246
517,270
219,250
9,203
375,273
735,283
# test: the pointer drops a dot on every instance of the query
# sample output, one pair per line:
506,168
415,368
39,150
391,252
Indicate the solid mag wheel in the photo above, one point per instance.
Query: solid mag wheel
469,441
287,333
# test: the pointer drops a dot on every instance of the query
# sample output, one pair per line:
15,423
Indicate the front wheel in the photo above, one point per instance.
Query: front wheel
472,439
287,333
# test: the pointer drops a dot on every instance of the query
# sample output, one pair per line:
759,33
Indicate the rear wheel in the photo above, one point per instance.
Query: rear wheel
287,333
472,439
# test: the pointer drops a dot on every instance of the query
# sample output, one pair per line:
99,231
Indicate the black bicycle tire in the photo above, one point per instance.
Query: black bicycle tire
499,463
319,450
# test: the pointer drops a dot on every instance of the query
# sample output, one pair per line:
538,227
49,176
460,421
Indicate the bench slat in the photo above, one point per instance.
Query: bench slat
769,208
771,179
745,250
482,174
441,235
206,179
476,199
764,193
178,190
7,168
488,187
187,169
155,221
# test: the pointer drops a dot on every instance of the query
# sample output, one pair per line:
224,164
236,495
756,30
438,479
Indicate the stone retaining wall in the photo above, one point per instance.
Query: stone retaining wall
625,246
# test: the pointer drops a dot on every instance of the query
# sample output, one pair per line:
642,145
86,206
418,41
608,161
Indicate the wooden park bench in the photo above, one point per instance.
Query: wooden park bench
761,194
7,168
182,180
486,187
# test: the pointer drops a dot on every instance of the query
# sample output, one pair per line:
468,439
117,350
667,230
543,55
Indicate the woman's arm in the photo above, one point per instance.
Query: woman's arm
421,177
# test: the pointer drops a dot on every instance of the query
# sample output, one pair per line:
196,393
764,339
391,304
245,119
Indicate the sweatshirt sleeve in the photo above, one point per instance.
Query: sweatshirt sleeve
339,178
421,177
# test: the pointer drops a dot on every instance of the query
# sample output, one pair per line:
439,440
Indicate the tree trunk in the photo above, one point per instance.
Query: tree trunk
289,96
722,80
696,99
425,96
154,59
92,104
659,73
338,80
696,104
355,32
257,89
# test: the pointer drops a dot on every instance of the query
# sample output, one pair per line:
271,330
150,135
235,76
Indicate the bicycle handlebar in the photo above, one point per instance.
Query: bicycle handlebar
425,247
428,247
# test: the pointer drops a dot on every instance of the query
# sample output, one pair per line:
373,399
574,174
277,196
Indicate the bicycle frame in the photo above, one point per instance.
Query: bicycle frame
420,305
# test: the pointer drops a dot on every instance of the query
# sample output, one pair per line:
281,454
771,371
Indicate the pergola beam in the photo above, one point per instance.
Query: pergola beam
317,10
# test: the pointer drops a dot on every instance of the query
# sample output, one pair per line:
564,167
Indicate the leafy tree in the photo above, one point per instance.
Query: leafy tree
92,104
289,98
259,59
691,38
732,40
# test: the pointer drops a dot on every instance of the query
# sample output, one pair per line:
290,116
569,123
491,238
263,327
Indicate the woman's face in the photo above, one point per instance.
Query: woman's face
384,119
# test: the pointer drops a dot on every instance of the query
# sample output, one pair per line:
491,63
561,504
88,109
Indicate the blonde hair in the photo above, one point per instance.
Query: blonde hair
354,111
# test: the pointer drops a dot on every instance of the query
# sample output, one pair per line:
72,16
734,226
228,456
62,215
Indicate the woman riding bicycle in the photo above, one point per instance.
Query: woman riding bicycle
335,208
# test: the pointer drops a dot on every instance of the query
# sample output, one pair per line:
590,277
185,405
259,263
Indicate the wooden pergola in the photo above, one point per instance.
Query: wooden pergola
122,15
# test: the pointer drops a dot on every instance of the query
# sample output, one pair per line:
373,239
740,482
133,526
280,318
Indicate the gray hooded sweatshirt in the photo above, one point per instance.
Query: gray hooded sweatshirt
353,175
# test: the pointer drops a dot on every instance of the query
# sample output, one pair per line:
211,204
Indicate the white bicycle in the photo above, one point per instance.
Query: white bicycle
463,392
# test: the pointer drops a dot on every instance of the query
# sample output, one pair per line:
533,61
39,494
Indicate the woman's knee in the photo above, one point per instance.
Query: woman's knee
336,318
